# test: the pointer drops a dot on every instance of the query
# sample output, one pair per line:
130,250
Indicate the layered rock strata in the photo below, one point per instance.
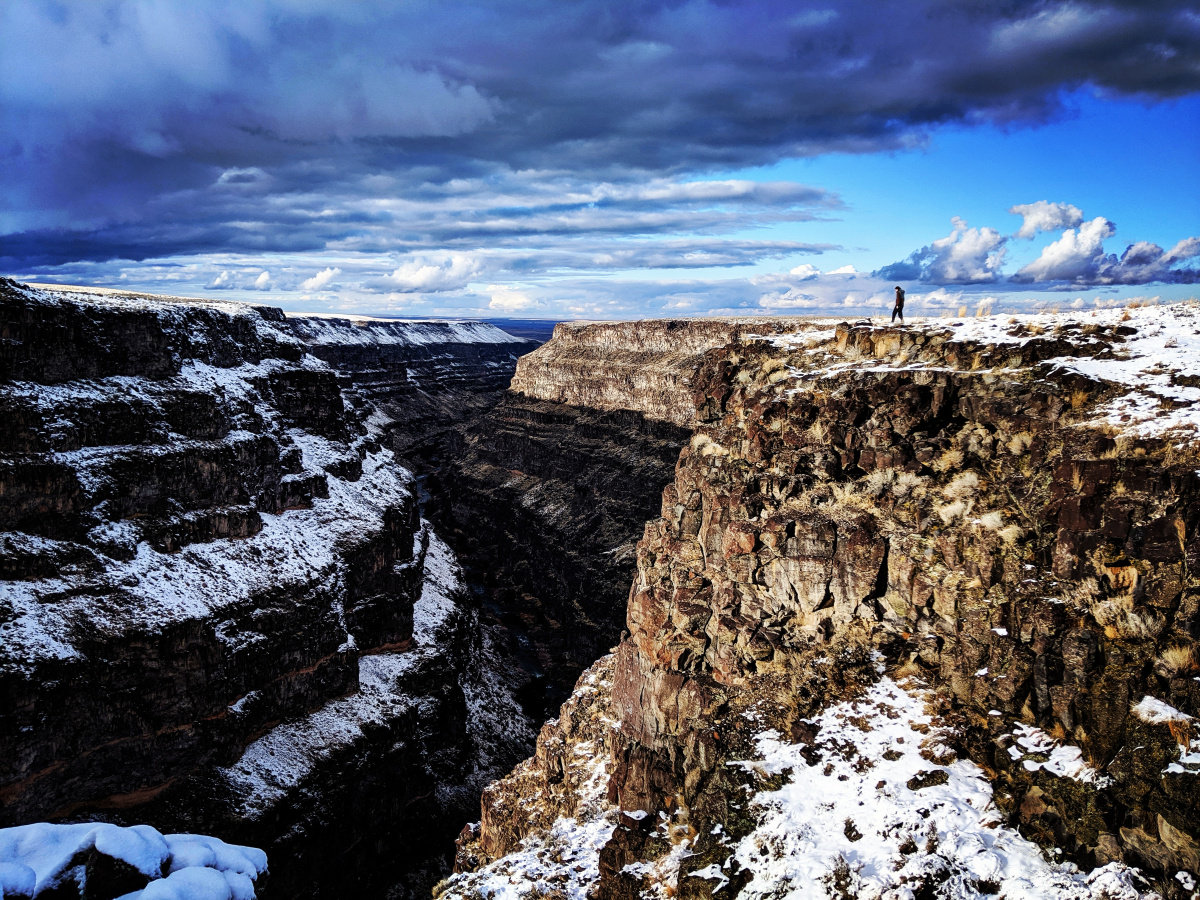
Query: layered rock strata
1001,517
646,366
544,501
206,544
428,377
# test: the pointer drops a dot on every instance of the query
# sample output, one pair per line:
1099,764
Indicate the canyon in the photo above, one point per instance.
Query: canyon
813,608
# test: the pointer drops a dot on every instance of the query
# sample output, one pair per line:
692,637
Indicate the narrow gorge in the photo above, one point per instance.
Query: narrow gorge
831,609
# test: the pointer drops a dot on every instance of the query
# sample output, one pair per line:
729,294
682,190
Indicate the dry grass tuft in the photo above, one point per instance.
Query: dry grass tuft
1081,596
963,486
1176,662
703,445
817,432
992,521
952,512
1010,534
1121,620
951,459
1079,398
879,481
907,483
1019,443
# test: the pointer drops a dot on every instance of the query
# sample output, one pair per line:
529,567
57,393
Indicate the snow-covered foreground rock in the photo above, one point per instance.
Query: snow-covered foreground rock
101,861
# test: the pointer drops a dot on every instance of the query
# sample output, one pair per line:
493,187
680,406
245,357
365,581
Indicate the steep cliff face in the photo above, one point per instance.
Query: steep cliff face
546,494
645,366
911,589
211,567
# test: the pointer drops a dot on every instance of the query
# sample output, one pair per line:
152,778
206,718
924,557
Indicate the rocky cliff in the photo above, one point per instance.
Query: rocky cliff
546,493
211,563
918,618
645,366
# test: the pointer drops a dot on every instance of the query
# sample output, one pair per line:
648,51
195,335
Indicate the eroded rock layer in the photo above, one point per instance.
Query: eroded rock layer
428,377
994,521
645,366
212,561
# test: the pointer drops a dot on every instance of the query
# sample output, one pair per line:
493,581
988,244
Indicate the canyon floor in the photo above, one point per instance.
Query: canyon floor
837,609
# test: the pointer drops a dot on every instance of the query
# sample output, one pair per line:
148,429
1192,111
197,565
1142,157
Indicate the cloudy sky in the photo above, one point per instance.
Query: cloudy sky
590,159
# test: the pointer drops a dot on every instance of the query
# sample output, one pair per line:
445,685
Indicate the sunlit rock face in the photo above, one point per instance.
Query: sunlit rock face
645,366
981,532
211,561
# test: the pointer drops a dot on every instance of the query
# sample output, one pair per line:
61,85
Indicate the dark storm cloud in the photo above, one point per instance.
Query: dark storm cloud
137,129
245,212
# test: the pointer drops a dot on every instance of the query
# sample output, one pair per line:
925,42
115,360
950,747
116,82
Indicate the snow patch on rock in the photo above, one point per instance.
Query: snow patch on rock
366,331
874,818
40,857
1062,760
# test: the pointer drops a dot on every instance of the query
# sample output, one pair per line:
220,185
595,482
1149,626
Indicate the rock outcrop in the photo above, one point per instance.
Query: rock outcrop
645,366
212,560
994,520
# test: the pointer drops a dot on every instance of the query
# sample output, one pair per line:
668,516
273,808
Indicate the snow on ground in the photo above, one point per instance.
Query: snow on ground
365,330
168,308
563,861
40,857
500,730
290,753
874,818
283,758
296,546
1029,742
1158,365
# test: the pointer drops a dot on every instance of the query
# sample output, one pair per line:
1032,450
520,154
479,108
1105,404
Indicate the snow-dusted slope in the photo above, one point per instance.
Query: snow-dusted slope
211,566
330,330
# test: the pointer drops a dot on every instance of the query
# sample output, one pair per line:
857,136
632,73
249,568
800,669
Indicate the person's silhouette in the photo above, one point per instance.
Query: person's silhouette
898,309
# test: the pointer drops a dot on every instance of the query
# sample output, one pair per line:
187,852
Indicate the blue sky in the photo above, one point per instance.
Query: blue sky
597,160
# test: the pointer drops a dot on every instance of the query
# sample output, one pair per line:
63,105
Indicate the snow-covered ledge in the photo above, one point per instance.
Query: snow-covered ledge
134,863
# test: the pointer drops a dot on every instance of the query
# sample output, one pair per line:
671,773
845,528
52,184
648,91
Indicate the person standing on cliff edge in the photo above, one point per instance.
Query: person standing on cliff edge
898,309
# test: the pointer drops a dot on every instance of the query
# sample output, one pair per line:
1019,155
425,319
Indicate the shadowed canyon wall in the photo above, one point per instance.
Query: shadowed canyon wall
222,611
546,494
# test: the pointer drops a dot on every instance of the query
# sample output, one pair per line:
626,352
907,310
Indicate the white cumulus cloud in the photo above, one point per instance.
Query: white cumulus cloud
263,281
508,299
321,279
1045,216
435,272
1076,256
